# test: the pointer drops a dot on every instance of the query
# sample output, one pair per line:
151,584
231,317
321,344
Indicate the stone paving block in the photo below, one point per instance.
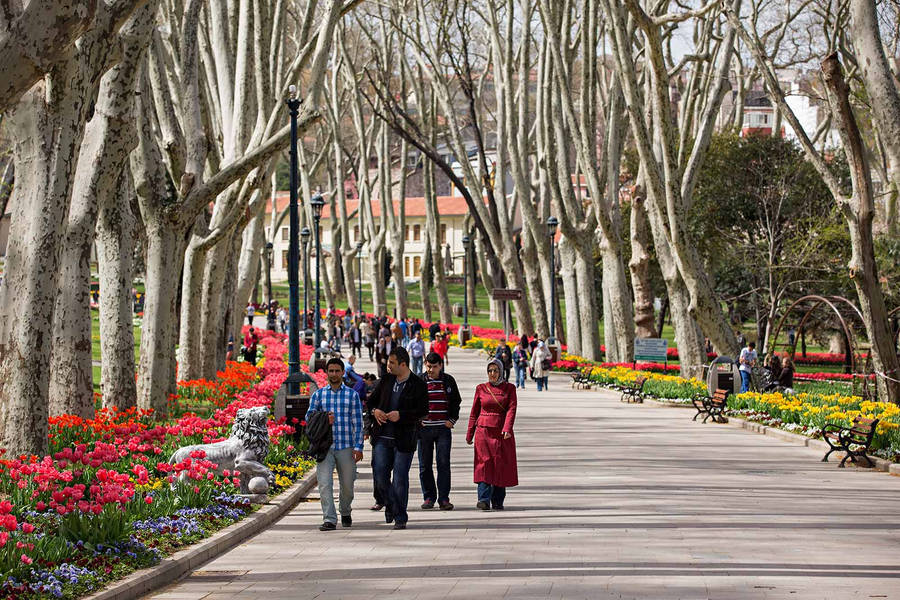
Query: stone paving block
614,501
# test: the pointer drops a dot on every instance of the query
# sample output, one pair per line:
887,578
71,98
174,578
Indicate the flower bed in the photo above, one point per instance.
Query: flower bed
809,413
105,501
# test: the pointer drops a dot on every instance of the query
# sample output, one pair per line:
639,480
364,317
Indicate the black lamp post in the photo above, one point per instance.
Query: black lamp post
359,246
293,388
317,202
304,235
270,323
465,243
552,224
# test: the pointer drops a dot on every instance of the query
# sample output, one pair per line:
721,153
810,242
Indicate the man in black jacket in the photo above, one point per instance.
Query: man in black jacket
396,405
443,412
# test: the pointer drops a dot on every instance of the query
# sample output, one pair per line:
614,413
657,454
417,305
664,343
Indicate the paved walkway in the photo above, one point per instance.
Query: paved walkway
615,501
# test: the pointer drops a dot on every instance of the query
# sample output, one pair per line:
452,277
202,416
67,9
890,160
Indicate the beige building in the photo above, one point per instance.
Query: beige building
452,210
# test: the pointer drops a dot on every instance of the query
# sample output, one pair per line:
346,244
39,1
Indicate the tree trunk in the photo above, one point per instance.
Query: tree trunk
859,213
424,276
587,304
156,367
115,247
376,274
433,225
212,313
570,292
532,264
190,338
688,337
639,265
619,321
71,375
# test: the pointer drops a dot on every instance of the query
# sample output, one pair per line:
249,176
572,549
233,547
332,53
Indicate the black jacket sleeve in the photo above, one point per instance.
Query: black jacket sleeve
374,399
454,400
416,406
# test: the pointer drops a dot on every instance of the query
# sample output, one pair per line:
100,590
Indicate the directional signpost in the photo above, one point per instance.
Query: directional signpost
651,349
505,295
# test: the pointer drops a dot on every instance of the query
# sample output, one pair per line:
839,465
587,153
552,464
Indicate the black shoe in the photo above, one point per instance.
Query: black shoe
388,517
346,521
399,525
376,506
483,505
445,505
497,507
327,526
428,505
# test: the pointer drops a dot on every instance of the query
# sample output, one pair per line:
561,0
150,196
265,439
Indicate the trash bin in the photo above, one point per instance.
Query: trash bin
723,375
457,309
295,407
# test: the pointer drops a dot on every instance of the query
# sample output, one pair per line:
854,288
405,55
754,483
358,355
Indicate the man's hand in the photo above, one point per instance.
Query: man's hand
380,416
448,424
331,418
357,455
393,416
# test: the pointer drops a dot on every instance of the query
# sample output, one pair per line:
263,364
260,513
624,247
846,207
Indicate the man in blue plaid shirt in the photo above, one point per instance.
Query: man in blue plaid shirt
344,409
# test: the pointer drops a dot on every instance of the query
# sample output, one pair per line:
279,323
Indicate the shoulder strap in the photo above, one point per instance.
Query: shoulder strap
493,397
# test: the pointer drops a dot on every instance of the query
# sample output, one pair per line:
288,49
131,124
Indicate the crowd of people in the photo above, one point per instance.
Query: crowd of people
411,406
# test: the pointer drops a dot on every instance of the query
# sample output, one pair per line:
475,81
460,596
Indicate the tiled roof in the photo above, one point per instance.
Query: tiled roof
415,207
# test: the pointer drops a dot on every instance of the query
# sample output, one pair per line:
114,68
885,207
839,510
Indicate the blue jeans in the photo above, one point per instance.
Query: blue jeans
346,468
416,366
492,494
430,437
520,376
542,383
388,461
745,381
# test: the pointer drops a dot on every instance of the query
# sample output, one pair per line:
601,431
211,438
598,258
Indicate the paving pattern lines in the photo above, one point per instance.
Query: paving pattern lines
614,501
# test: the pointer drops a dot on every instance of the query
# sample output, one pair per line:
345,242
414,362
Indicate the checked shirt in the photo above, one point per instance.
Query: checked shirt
347,409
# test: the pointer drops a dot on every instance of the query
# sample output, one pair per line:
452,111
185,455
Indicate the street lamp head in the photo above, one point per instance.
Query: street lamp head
304,234
552,224
359,246
317,203
466,241
292,90
269,246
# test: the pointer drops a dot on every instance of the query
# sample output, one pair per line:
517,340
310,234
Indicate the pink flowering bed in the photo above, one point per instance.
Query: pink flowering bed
106,501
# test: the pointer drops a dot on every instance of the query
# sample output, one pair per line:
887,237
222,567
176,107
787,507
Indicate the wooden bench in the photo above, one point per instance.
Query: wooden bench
853,440
634,393
582,379
711,406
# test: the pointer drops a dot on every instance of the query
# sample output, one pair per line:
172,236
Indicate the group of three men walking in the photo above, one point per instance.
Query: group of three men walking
405,413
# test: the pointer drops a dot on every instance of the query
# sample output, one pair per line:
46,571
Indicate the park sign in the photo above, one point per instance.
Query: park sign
506,294
652,349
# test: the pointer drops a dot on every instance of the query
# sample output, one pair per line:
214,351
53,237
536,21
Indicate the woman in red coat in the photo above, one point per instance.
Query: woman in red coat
491,430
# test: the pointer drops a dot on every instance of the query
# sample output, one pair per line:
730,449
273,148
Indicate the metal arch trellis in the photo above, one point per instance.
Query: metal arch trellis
831,302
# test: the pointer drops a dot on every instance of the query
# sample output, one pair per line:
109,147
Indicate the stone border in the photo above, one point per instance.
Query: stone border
173,567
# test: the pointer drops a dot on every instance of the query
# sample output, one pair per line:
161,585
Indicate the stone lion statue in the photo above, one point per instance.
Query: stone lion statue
244,450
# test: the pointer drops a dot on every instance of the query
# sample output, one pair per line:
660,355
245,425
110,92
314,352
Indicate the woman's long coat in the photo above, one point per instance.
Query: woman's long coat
493,412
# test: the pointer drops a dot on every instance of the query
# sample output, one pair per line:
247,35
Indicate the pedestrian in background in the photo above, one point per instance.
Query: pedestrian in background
541,364
520,361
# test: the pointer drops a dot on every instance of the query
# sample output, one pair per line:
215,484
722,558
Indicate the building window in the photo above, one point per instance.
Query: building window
443,233
407,233
417,233
765,119
356,233
285,234
417,264
284,260
406,266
